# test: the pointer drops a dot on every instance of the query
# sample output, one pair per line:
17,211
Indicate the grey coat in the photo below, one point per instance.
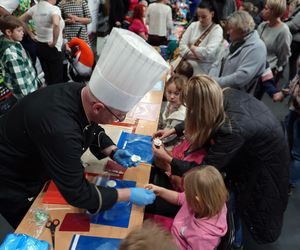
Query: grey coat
243,66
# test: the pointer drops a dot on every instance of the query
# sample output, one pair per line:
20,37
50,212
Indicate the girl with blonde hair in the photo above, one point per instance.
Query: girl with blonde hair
244,140
201,220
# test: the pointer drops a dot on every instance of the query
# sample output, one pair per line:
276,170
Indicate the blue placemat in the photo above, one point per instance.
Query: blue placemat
137,144
119,214
82,242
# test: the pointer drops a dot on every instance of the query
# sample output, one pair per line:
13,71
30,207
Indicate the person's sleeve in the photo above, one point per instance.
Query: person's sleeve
15,75
181,199
252,61
185,40
169,19
148,14
136,26
101,141
260,27
283,50
86,10
180,167
209,51
31,11
294,24
60,154
226,145
179,129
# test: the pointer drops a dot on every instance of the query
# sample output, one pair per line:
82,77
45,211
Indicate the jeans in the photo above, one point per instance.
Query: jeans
293,132
238,235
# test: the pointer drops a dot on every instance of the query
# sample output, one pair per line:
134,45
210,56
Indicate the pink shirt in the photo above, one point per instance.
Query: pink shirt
137,26
192,233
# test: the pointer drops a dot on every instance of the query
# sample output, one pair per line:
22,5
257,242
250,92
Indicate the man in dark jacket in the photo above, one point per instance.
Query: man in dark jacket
249,146
45,134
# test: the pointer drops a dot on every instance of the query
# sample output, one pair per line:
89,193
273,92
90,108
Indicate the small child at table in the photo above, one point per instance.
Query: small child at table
174,111
201,220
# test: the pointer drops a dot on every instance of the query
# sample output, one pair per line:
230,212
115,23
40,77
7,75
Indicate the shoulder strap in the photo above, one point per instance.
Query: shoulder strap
203,35
263,29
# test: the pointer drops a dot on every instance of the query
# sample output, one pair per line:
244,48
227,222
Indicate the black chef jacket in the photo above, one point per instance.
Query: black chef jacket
42,138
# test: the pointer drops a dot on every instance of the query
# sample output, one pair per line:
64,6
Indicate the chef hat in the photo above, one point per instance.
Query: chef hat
126,70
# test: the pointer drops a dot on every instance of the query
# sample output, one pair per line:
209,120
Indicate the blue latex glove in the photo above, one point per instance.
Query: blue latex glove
141,196
123,157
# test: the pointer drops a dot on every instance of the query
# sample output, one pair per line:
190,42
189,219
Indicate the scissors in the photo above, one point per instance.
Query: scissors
52,226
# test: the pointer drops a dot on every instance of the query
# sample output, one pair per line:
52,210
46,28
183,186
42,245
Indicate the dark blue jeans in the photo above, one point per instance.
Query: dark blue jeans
293,132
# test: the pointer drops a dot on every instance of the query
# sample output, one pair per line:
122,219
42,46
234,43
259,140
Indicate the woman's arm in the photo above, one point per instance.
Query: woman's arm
143,35
185,42
56,29
82,20
208,51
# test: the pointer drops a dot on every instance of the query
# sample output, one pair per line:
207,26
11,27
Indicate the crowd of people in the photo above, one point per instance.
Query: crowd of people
223,150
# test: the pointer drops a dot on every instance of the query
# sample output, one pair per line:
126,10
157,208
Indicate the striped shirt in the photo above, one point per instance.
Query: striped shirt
71,7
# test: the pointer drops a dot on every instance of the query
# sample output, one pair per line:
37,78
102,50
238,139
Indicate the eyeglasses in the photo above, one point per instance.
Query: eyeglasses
119,119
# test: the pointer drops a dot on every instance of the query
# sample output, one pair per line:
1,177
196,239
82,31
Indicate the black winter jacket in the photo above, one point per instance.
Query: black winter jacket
250,147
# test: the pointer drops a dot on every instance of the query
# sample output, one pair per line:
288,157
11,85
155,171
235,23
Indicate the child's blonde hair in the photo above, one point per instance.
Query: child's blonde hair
180,82
205,110
149,236
9,22
205,191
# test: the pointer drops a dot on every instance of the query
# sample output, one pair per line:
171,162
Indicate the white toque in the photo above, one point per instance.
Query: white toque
126,70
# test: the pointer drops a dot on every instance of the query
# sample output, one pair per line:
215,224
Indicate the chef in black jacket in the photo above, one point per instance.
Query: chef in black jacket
44,136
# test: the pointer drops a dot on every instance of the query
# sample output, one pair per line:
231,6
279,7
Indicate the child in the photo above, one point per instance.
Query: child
185,69
174,111
149,236
19,74
201,220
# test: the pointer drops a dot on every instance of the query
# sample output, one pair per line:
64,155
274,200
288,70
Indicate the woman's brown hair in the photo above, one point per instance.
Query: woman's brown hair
205,110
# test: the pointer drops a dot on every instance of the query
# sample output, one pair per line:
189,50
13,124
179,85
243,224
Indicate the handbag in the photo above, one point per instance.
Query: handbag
177,61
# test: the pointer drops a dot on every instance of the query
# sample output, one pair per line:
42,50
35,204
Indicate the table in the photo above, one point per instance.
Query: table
139,174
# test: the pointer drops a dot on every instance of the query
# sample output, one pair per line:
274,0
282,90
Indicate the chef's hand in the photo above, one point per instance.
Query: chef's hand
141,196
124,158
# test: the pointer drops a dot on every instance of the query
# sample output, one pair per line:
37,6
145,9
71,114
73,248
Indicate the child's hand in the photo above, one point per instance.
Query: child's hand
156,189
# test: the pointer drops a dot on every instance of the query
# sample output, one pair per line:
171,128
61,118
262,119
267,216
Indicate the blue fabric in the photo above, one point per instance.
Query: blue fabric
90,242
119,214
24,242
140,145
293,132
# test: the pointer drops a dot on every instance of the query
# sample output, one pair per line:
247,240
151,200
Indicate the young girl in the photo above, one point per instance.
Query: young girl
201,220
174,112
19,74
